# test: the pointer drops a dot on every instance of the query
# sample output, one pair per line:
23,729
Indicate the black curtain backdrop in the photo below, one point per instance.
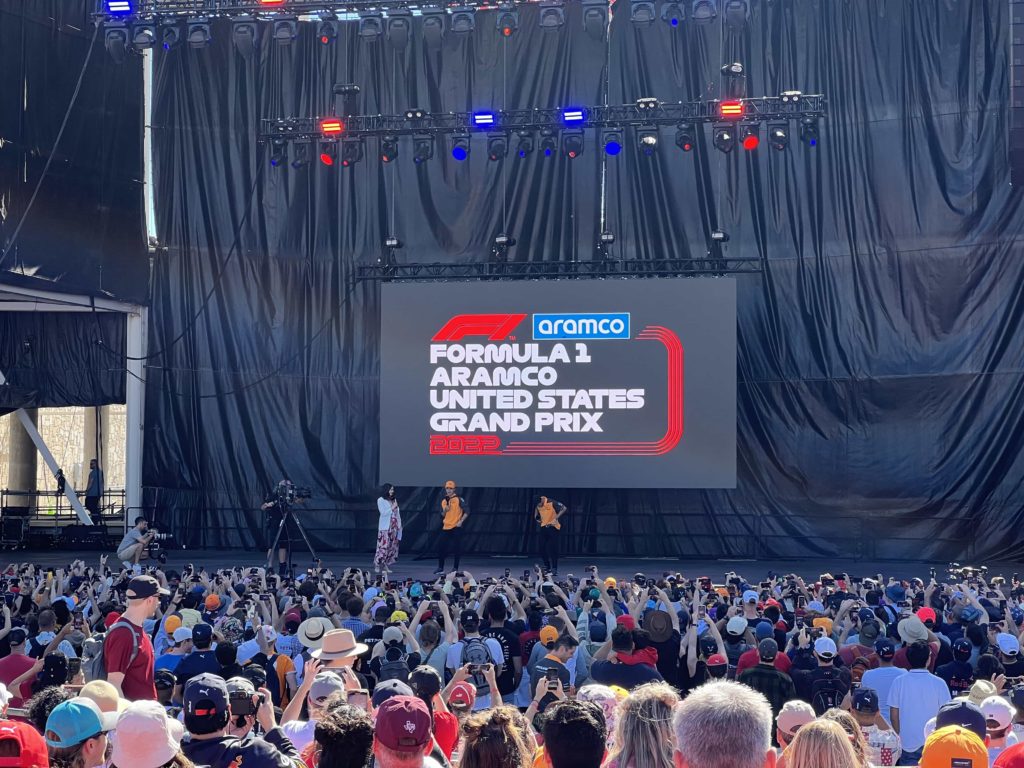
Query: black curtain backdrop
880,391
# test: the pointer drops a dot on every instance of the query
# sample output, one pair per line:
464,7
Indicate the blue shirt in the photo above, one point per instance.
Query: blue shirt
356,625
168,661
95,486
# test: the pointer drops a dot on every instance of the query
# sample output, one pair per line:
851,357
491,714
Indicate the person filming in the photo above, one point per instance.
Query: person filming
277,507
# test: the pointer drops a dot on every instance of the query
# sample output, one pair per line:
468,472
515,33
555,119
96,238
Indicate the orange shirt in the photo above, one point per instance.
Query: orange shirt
548,515
452,509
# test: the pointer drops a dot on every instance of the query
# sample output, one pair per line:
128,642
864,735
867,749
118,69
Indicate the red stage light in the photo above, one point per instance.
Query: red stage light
325,39
326,159
731,109
271,2
331,126
751,142
507,31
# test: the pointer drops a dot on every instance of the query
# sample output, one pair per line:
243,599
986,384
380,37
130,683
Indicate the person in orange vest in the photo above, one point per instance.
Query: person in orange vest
547,513
454,512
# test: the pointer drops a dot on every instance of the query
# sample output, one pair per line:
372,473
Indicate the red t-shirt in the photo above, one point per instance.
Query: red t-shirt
900,659
117,657
11,668
752,658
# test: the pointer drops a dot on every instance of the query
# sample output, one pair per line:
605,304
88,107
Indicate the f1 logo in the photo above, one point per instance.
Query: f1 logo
494,327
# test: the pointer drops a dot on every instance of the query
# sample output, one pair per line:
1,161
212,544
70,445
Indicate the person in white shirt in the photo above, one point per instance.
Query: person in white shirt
880,680
389,530
914,699
470,623
316,689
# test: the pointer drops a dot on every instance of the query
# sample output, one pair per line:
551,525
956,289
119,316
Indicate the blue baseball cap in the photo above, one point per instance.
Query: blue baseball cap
764,630
202,635
865,614
896,592
77,720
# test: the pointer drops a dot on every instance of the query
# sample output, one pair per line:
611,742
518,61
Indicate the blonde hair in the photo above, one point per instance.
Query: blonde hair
821,744
849,723
643,734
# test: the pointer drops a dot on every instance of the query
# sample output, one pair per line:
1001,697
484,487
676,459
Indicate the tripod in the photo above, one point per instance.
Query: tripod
286,514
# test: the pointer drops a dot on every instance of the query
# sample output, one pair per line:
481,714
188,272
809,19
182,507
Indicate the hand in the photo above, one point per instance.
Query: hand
103,561
462,673
309,671
265,713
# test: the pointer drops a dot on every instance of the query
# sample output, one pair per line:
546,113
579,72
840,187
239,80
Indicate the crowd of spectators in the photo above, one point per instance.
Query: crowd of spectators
241,668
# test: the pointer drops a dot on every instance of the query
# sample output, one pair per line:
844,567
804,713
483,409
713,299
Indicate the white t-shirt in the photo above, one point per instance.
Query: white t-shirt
454,661
880,681
918,695
300,732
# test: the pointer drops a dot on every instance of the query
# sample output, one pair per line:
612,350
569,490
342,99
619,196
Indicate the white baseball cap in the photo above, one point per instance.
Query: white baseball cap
737,625
750,596
825,647
181,634
1008,644
998,709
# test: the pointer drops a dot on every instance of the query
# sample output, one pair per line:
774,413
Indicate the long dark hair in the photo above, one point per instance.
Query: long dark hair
384,489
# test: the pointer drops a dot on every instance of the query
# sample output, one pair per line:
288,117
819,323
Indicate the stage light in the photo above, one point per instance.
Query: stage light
327,29
552,14
731,109
392,241
749,135
328,152
725,138
422,148
483,119
595,18
641,11
271,3
607,238
719,236
525,145
463,20
647,105
647,140
686,137
279,152
736,13
790,97
612,141
415,114
572,143
504,241
672,13
703,11
115,40
143,36
809,131
351,152
573,116
497,146
331,126
433,26
460,146
170,36
778,135
119,7
399,26
371,24
388,148
508,20
245,35
198,33
285,30
734,81
548,142
301,157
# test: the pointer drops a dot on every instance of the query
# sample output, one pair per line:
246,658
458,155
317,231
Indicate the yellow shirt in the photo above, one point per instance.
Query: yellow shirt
548,515
452,509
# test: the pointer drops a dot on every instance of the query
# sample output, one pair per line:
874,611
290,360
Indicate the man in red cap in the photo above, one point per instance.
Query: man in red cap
22,746
402,734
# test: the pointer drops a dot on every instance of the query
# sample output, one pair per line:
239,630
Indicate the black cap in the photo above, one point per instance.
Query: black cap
469,616
885,649
17,636
205,695
425,682
768,649
164,680
202,635
963,713
1017,696
142,587
962,649
865,700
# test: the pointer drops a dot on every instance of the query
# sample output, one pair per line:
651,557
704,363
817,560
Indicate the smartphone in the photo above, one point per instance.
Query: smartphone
702,611
766,585
526,575
860,579
801,601
77,615
508,572
551,674
358,697
74,667
241,704
476,669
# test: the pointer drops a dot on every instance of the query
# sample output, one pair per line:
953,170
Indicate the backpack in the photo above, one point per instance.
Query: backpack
93,664
475,651
394,665
35,649
733,651
827,690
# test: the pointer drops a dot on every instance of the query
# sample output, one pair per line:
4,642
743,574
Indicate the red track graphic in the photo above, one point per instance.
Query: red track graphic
494,327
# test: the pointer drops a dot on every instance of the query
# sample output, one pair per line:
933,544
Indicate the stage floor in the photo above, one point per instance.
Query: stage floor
408,566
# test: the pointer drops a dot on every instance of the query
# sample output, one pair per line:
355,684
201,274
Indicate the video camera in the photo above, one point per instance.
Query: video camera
966,572
289,493
159,541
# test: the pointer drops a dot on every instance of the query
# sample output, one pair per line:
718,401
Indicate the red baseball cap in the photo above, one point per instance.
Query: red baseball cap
926,614
112,618
463,696
31,748
626,621
716,660
771,602
1012,757
403,724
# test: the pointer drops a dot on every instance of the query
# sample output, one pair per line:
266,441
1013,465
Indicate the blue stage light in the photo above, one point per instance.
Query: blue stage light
119,7
483,119
573,116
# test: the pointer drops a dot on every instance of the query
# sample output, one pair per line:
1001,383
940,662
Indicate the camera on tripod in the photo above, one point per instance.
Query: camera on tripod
287,493
156,547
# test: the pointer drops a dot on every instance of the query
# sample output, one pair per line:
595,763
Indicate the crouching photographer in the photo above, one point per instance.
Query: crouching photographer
221,725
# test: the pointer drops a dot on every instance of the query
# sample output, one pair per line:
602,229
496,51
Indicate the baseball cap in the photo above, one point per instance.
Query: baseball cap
388,690
1017,696
763,629
1011,757
610,582
403,724
238,684
142,587
1008,644
869,631
103,695
793,715
750,596
469,616
768,649
885,648
823,623
865,614
963,714
816,606
212,602
425,682
896,592
164,680
462,696
31,750
969,614
825,647
716,660
202,634
205,695
962,649
865,700
626,621
391,635
325,685
17,636
954,747
736,626
926,614
998,711
548,635
181,634
75,720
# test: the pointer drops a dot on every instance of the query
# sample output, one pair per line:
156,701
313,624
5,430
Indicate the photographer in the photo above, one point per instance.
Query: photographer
135,545
277,506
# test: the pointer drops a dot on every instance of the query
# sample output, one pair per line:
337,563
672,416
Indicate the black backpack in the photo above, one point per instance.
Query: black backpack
36,649
827,690
394,665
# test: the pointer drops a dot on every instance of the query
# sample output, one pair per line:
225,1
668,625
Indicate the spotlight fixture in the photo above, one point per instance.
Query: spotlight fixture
271,2
790,97
392,242
641,11
143,36
433,26
278,152
483,119
647,105
460,146
719,236
497,146
607,238
327,29
548,142
399,27
595,18
285,30
422,147
750,136
611,139
388,147
170,36
703,11
328,152
672,13
574,116
463,20
686,137
245,35
734,81
119,7
198,33
731,109
725,138
371,25
778,135
331,126
115,40
572,143
525,145
351,152
809,131
504,241
552,14
647,140
508,20
301,157
736,14
415,115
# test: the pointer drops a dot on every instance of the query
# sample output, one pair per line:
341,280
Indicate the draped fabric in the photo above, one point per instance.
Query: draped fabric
880,391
